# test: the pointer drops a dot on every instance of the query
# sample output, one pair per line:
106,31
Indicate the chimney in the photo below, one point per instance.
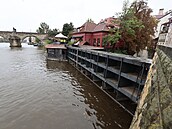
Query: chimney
161,11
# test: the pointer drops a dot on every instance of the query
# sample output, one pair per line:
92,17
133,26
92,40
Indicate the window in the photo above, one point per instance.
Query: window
89,41
98,42
164,28
94,42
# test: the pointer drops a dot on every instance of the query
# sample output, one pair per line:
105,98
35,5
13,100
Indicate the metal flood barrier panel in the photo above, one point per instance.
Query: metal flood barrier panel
124,75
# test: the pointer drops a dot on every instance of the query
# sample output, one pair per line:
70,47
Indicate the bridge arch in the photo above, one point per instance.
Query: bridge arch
4,38
23,38
22,35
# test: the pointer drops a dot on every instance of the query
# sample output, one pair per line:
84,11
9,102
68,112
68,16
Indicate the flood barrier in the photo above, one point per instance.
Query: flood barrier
120,76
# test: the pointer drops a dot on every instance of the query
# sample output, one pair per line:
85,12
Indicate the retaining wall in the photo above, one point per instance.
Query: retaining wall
154,110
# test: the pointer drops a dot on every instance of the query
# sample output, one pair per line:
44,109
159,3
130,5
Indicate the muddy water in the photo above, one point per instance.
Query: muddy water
40,94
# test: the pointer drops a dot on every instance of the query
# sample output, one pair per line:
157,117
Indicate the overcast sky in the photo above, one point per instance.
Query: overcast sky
26,15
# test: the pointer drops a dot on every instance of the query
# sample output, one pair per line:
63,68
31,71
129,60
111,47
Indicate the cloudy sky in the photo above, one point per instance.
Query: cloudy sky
26,15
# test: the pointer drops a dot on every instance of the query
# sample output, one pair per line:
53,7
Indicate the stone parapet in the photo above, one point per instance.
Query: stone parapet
154,110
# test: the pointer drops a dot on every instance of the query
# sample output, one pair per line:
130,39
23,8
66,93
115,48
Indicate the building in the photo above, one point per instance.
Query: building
92,33
162,18
56,52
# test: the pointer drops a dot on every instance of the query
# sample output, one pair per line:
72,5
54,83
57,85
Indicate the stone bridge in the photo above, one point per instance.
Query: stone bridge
22,35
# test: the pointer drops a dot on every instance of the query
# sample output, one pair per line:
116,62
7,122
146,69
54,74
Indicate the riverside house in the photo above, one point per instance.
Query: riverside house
92,33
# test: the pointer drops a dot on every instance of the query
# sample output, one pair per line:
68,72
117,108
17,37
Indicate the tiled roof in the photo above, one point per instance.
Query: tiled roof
88,27
101,27
110,20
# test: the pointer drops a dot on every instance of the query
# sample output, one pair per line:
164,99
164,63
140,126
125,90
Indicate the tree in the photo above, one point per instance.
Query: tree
129,24
136,27
37,40
144,36
53,32
112,38
44,28
67,28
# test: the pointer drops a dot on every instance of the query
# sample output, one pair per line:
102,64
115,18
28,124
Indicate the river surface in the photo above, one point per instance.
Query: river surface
40,94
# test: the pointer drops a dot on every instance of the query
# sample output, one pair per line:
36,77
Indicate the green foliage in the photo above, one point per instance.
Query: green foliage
128,27
112,38
37,40
105,40
44,28
121,51
48,41
52,33
144,35
136,27
70,43
67,28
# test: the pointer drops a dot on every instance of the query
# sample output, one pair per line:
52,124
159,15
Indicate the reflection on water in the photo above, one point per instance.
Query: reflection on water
40,94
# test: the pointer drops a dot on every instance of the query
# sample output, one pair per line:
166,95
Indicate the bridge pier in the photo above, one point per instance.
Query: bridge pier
15,41
12,37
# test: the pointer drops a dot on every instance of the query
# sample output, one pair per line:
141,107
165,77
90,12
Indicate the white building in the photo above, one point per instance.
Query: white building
163,18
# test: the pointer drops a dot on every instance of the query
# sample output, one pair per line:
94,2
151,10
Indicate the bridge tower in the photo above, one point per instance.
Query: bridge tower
14,40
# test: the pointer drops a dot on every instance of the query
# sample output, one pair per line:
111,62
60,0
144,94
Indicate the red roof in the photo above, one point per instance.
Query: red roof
110,20
106,24
101,27
88,27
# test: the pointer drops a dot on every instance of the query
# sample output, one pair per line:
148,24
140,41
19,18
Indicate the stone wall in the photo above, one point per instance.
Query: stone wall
154,110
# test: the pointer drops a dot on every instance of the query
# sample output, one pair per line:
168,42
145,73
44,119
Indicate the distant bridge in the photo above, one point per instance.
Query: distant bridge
15,38
6,35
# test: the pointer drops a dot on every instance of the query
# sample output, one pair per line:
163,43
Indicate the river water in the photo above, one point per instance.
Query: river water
40,94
